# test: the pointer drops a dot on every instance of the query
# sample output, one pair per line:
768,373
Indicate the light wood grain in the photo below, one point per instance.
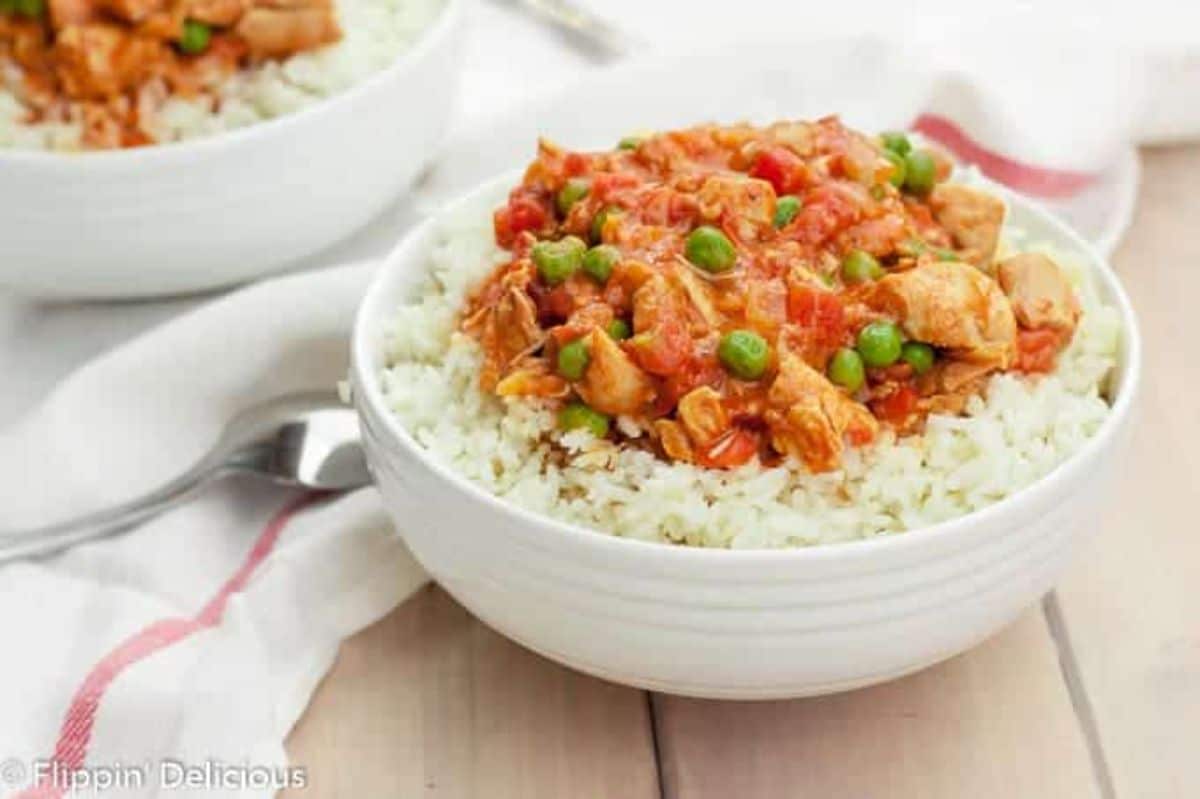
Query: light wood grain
995,722
430,702
1132,600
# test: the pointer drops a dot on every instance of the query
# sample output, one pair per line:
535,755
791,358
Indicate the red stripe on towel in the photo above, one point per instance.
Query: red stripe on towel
1026,178
75,735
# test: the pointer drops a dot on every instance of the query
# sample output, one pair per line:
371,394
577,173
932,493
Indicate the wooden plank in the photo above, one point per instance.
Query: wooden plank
994,722
1131,602
430,702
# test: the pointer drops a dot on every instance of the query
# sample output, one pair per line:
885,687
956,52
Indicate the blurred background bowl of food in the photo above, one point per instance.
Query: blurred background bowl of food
145,153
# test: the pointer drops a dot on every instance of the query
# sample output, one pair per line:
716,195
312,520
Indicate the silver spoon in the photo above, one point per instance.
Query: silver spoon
581,27
308,440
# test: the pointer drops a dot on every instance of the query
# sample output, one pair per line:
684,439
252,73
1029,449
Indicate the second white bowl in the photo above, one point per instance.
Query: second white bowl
211,212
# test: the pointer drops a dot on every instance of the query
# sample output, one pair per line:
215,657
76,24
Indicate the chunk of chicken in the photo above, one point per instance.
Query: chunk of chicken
748,204
674,440
703,416
98,61
951,305
949,385
1040,293
700,298
72,12
973,217
278,29
808,417
592,315
613,383
221,13
131,10
655,302
531,377
506,330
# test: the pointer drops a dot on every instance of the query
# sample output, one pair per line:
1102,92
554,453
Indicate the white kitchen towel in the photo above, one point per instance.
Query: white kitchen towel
198,638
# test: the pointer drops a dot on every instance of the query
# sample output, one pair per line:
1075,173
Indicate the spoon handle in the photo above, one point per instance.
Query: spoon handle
584,27
57,537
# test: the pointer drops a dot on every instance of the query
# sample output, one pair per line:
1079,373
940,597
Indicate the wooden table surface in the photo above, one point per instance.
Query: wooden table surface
1095,693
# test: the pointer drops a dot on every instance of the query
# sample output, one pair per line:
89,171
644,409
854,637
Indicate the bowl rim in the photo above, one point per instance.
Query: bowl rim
176,152
367,389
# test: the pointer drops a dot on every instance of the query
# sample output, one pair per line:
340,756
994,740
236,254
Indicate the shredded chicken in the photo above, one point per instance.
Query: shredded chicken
613,383
747,204
809,417
115,62
734,328
972,217
100,60
277,28
703,416
952,305
507,330
674,440
1040,293
531,377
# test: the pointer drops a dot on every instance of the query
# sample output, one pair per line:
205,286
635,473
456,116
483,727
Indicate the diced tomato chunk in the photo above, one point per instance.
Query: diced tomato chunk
1037,349
730,450
817,310
606,185
575,164
897,406
522,213
782,168
663,350
698,371
555,304
825,212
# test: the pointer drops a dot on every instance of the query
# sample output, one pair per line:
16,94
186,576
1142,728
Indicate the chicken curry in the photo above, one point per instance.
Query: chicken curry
736,292
111,62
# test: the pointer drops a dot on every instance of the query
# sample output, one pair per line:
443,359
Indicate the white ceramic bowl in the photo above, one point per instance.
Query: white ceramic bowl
200,214
733,624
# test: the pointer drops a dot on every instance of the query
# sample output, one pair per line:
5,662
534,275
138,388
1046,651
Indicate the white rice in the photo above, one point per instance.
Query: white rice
374,34
1020,430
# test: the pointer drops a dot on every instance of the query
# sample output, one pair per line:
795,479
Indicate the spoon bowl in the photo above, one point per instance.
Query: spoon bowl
308,440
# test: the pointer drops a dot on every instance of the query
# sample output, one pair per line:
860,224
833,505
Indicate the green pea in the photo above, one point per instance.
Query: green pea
920,172
896,142
599,220
600,260
31,8
574,190
911,247
846,369
786,208
619,329
946,255
709,249
558,260
900,168
573,359
744,353
195,37
879,344
918,355
860,266
576,415
629,143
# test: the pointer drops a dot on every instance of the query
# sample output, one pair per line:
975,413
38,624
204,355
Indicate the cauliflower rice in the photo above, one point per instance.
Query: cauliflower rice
374,34
1016,433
